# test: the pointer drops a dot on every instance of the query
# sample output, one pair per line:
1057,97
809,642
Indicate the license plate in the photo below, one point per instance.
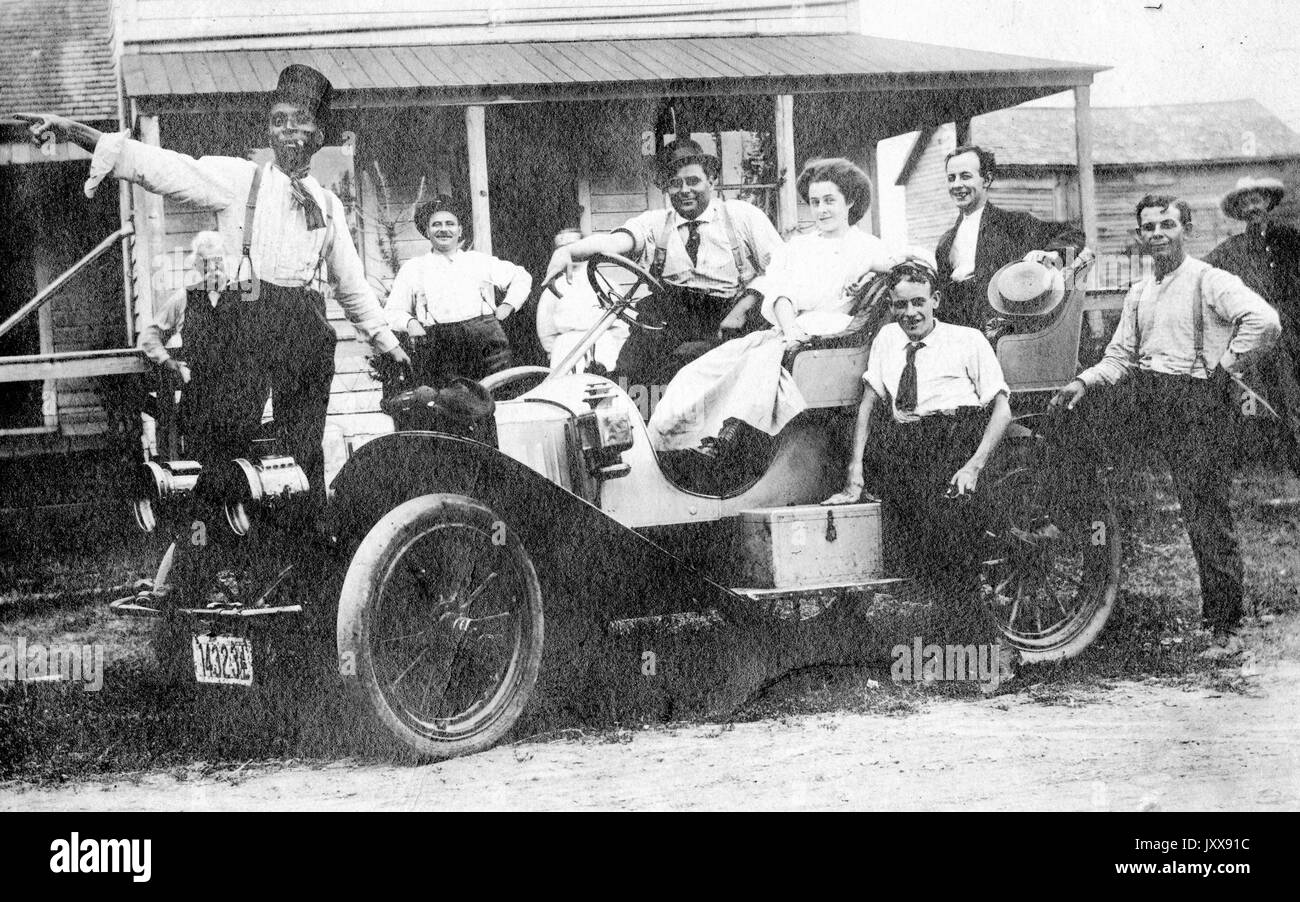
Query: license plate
223,659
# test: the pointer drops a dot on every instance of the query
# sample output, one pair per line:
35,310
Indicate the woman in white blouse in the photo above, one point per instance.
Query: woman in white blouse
808,290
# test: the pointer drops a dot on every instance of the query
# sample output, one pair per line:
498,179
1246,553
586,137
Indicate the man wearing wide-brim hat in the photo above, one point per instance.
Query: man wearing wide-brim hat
1266,256
289,235
446,299
707,250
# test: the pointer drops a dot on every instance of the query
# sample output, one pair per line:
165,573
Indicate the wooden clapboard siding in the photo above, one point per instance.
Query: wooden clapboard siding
324,23
930,212
617,198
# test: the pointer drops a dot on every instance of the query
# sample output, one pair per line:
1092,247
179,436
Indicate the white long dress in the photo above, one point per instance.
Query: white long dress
744,378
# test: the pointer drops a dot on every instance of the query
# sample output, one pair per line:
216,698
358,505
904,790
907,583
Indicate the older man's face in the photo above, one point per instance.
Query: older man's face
294,135
690,190
1254,206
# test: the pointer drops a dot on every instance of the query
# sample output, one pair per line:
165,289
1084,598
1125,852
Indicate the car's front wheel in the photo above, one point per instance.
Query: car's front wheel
440,625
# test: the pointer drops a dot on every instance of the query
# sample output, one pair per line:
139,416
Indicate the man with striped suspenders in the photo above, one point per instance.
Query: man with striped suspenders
1172,325
290,231
706,250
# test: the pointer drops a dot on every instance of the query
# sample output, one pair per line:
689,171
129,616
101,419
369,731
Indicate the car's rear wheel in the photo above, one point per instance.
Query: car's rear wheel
440,625
1052,573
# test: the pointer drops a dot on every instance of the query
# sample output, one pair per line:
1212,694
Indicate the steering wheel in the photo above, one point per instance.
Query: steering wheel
614,293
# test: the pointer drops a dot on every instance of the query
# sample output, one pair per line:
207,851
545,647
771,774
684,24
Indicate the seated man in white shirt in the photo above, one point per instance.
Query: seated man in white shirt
446,301
948,400
563,321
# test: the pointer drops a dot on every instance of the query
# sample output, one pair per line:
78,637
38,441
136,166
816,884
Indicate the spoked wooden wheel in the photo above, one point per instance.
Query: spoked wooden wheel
440,625
1051,574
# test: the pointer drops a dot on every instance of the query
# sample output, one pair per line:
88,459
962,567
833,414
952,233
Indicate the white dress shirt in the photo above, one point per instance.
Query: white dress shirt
964,243
714,270
956,368
284,252
437,289
815,272
1236,319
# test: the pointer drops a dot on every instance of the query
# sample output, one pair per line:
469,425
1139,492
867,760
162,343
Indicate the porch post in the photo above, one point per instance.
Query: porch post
150,236
1083,148
787,199
871,156
476,132
962,128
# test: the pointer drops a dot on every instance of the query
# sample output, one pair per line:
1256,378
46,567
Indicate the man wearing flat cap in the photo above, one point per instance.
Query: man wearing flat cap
705,249
446,300
1266,256
288,234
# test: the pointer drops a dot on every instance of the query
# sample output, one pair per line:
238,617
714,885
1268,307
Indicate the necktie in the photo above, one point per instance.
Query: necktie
693,240
907,384
304,199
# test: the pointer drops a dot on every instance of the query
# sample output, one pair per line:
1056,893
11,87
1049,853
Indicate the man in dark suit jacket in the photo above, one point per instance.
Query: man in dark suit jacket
985,238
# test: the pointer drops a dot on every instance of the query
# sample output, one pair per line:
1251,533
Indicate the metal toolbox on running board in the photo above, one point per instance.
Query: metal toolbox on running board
806,545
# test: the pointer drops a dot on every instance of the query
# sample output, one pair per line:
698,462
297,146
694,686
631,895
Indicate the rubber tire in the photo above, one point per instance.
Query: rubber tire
378,553
1082,634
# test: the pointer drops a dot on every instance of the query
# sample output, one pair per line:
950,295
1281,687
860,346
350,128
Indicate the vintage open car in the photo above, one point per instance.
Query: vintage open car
466,566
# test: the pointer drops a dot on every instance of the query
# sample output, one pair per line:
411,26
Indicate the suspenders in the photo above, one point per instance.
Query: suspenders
250,207
661,246
1198,328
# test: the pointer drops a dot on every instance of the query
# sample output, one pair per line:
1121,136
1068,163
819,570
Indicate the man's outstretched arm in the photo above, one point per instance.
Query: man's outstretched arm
63,129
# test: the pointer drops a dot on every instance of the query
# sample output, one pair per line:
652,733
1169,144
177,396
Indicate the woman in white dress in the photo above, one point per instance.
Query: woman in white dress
808,290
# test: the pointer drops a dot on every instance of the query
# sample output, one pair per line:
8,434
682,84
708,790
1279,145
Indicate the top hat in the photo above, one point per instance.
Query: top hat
683,152
1025,288
441,202
1271,187
305,86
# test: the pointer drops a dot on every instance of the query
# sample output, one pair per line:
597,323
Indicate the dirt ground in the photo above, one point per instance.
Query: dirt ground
1230,743
1139,722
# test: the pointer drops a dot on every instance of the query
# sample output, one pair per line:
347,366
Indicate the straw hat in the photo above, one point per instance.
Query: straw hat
1270,187
1025,288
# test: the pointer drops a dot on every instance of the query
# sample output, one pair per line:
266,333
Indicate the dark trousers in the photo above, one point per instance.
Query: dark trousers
935,537
691,321
1188,421
280,342
470,349
221,406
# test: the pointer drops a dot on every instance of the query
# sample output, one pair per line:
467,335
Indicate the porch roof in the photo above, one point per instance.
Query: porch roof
592,70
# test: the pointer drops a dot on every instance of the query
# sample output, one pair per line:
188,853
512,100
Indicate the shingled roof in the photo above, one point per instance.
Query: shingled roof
1173,133
58,55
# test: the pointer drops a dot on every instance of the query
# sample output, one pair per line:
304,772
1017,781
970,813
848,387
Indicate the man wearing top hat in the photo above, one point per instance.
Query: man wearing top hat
1266,256
986,237
287,232
446,299
707,251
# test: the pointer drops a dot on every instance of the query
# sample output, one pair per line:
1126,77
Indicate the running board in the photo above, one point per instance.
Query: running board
806,602
129,607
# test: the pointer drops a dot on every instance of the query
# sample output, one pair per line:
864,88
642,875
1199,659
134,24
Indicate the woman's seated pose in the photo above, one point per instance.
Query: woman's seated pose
808,290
